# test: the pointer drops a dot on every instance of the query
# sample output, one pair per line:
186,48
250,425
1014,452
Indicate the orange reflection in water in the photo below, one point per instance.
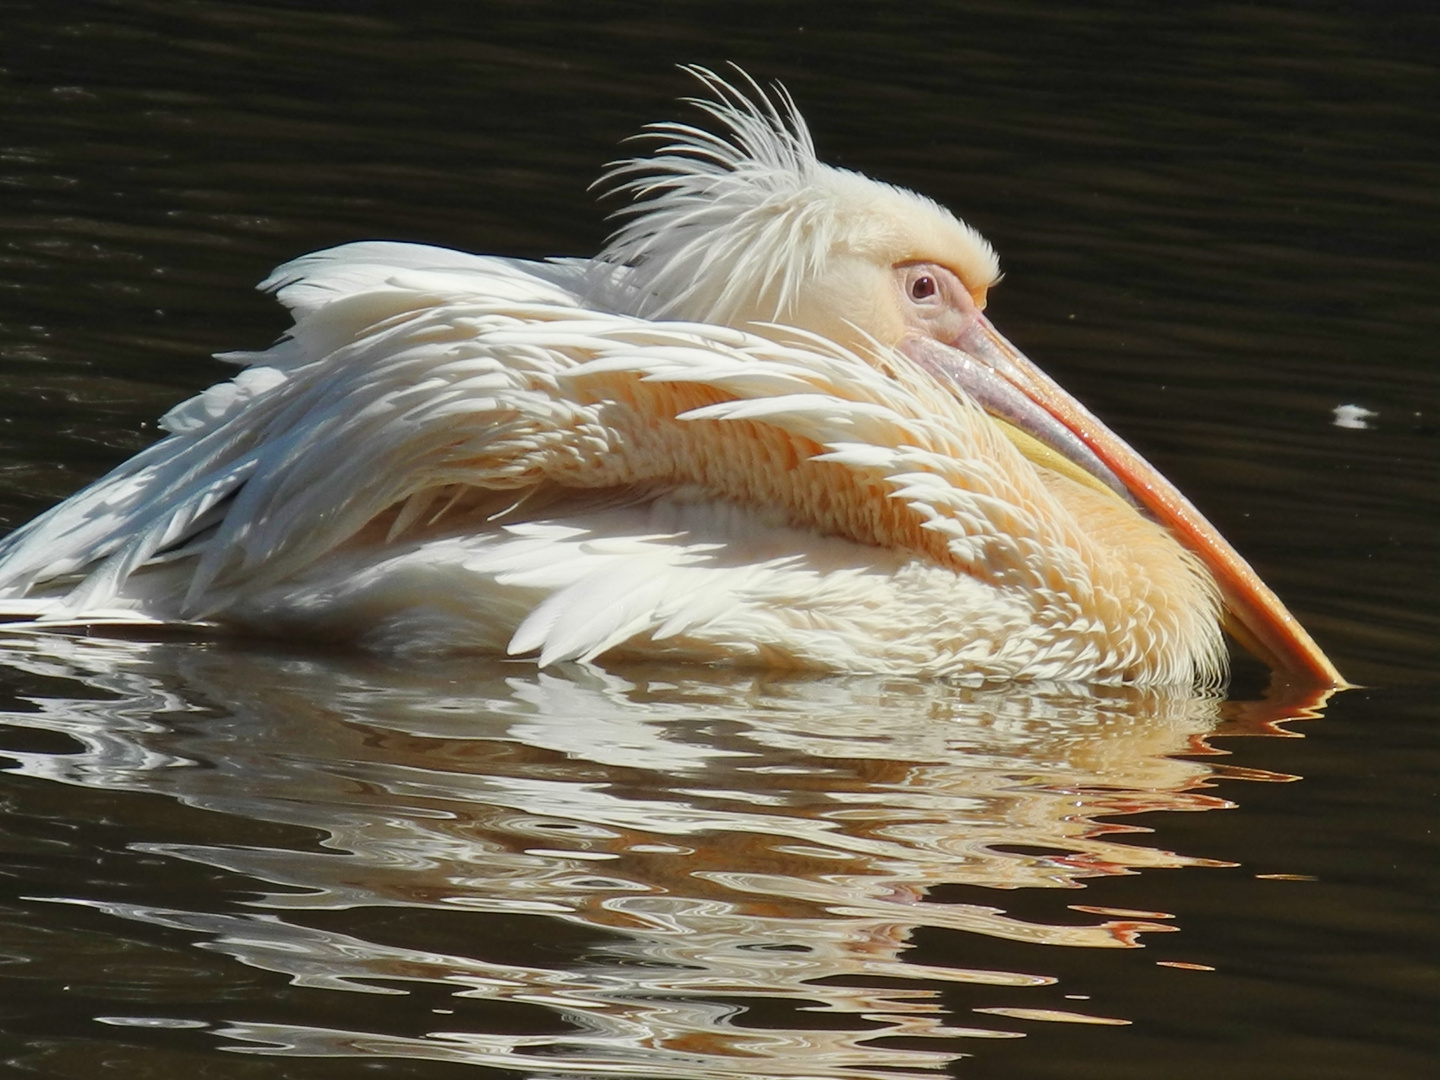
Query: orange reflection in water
745,852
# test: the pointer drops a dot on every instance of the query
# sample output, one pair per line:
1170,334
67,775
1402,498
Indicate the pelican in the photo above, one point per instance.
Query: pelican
767,425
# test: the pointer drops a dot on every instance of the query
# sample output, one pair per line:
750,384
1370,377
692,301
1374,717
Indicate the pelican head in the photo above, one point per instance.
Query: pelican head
754,230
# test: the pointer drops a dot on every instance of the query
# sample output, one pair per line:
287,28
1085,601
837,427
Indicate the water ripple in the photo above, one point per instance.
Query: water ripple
695,874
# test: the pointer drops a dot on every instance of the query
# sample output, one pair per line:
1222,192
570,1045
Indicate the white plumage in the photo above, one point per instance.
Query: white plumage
716,441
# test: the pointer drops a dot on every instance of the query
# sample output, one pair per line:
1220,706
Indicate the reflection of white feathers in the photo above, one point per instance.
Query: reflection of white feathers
452,451
676,846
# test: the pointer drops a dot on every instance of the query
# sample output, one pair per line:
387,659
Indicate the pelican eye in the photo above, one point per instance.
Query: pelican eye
923,287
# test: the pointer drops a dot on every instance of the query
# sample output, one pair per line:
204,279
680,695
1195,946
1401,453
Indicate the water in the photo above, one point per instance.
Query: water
254,860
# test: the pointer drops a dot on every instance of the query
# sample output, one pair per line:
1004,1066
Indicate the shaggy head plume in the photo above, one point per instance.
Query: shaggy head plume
730,227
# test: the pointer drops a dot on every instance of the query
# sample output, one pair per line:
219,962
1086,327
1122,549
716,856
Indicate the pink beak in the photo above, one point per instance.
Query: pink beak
1003,381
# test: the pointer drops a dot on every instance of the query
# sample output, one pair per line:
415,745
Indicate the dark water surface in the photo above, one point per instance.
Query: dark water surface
1218,224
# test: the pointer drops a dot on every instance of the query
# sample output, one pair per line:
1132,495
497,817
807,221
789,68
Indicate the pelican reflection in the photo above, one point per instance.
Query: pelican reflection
655,872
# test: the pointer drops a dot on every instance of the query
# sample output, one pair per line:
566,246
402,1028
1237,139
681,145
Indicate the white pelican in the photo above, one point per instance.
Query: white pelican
767,425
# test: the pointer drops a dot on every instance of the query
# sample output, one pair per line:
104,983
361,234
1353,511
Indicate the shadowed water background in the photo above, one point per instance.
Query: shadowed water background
1218,223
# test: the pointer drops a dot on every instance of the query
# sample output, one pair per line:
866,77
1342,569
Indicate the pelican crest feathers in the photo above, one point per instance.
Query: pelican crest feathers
732,227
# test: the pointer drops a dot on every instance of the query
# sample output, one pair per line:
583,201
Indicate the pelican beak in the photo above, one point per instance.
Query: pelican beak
995,374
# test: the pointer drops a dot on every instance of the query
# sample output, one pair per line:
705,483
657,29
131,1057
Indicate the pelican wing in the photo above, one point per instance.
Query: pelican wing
365,366
417,381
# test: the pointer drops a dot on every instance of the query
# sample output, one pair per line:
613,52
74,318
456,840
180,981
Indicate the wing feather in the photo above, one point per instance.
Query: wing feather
437,372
